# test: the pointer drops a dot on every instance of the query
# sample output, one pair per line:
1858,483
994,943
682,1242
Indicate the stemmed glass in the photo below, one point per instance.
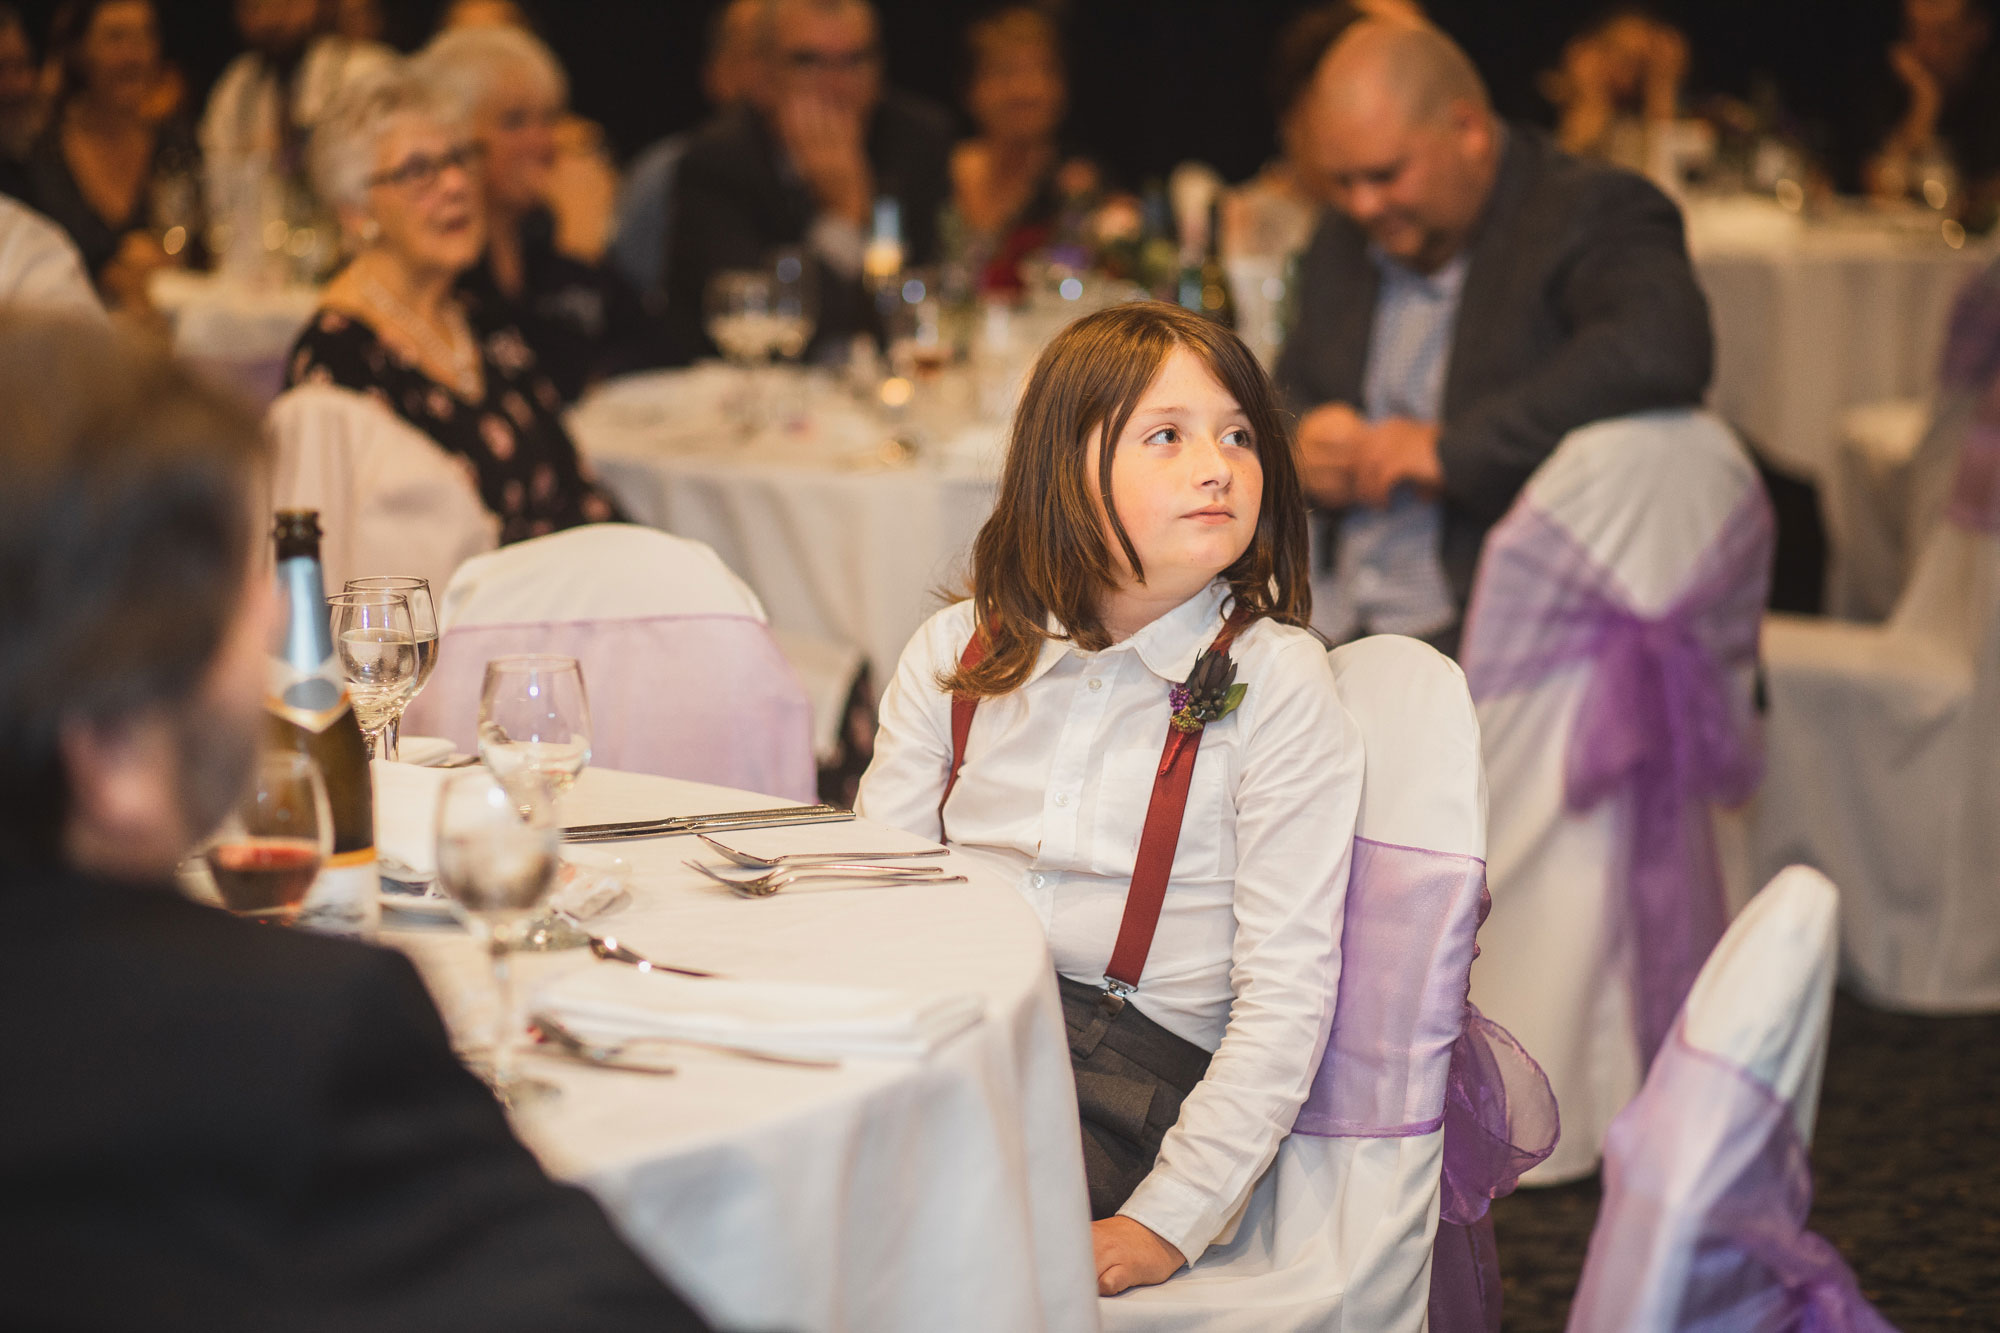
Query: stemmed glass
534,736
497,858
269,850
423,622
794,316
377,643
741,310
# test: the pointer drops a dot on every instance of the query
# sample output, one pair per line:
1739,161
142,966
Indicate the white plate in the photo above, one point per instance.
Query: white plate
418,904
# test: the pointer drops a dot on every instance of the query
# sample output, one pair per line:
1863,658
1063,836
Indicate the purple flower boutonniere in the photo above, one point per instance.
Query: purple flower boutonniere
1209,694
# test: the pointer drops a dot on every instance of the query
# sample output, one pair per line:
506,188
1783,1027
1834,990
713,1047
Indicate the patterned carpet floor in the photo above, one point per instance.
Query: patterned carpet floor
1906,1180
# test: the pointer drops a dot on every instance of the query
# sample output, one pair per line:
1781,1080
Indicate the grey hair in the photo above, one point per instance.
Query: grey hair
468,65
347,134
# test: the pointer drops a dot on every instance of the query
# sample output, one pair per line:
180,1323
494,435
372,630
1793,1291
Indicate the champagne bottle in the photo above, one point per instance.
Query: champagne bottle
310,712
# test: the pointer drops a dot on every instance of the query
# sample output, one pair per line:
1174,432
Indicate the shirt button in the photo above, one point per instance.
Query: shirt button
1096,684
1041,881
1062,800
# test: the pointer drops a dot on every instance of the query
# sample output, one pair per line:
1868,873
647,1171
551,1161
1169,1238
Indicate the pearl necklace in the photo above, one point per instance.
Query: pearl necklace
461,353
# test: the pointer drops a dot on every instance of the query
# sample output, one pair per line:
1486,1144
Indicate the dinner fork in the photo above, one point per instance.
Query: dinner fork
763,886
813,858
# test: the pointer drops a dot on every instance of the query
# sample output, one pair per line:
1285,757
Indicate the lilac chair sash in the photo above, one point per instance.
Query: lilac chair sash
708,698
1656,724
1706,1191
1409,1055
1972,365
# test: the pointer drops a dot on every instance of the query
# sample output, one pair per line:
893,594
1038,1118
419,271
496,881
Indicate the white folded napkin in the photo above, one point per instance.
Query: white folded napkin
585,888
425,750
848,839
614,1002
406,814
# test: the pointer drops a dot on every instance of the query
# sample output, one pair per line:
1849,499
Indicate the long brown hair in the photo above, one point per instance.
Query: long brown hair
1042,553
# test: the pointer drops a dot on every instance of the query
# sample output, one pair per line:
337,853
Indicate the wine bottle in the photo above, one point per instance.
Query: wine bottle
310,712
1204,284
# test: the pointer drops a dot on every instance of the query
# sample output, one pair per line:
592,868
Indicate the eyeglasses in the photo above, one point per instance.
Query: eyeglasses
423,171
806,60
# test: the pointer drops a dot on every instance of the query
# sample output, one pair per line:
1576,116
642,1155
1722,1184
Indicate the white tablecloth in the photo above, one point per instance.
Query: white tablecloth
1813,318
240,332
837,539
882,1196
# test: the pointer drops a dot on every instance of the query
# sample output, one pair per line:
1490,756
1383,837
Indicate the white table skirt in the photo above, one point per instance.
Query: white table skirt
834,542
886,1195
1811,320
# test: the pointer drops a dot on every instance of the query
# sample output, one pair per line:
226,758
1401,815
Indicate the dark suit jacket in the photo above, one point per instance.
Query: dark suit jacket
1579,304
213,1125
737,198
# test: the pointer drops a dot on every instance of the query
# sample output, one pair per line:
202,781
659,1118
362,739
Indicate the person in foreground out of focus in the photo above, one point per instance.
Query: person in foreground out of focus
1149,526
394,158
581,319
805,164
210,1123
1474,296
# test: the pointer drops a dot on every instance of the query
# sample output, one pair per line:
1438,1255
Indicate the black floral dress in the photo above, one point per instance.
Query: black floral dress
522,459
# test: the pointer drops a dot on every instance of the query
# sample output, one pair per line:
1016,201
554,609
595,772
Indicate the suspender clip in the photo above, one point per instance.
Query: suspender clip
1111,998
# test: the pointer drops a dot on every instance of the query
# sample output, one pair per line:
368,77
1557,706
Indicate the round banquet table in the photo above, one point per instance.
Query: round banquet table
838,537
884,1195
1814,317
238,332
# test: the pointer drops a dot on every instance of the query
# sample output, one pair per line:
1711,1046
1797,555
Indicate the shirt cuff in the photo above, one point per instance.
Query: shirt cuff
838,242
1179,1214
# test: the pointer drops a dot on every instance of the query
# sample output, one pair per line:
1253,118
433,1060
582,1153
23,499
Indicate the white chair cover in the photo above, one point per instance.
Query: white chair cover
684,678
1882,493
1338,1234
390,501
1645,500
1706,1189
1883,770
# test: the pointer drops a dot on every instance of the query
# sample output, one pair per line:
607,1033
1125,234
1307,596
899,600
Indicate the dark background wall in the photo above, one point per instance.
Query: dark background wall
1154,81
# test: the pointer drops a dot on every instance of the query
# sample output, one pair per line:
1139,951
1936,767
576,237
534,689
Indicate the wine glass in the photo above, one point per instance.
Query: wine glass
794,316
377,643
534,735
497,858
423,622
269,850
740,310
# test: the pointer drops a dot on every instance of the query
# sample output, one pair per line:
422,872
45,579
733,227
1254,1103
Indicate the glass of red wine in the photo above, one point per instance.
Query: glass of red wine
268,852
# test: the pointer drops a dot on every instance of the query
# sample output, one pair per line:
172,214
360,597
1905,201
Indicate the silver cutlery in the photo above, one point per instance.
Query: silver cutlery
763,886
740,819
608,948
554,1029
569,1045
812,858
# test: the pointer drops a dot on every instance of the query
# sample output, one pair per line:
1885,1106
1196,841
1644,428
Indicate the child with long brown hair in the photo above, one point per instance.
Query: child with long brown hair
1134,640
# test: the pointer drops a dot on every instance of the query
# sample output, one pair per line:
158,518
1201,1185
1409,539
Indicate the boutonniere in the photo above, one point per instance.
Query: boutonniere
1209,694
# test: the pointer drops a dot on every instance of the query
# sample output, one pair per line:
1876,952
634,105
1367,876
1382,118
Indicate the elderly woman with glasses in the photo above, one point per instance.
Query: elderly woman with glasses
391,155
582,320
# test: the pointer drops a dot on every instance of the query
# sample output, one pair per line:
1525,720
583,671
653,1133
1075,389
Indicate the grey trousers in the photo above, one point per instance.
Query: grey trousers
1131,1077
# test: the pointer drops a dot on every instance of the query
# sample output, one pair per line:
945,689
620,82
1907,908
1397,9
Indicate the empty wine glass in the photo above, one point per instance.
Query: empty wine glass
423,622
740,308
497,858
269,850
377,643
794,316
534,735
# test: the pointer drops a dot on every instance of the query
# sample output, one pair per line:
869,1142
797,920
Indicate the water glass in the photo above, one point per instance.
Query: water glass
375,637
497,857
423,623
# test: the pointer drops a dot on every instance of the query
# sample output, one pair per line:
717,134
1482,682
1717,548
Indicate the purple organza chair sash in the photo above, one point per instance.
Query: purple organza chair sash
1706,1191
1975,484
1972,365
1409,1055
708,698
1655,725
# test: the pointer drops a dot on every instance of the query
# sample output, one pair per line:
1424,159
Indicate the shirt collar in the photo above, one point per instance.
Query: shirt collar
1168,646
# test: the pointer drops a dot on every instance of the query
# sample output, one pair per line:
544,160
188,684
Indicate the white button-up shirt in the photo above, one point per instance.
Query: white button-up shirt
1053,794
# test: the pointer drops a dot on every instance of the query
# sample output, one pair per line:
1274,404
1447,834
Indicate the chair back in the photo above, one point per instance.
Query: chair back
1340,1230
683,675
390,501
1610,647
1707,1183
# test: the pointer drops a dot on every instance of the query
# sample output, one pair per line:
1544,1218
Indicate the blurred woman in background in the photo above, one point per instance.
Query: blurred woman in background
580,317
122,181
392,156
1012,181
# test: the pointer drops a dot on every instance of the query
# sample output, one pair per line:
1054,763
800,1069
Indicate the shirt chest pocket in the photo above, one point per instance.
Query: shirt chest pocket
1207,848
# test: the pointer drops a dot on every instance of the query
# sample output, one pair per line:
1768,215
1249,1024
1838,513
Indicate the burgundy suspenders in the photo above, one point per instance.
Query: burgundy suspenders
1158,839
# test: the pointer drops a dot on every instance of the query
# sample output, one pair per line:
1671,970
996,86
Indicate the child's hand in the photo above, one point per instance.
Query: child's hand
1130,1254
